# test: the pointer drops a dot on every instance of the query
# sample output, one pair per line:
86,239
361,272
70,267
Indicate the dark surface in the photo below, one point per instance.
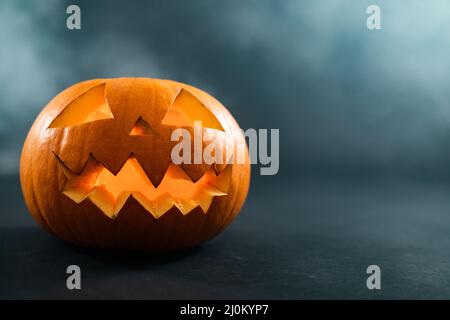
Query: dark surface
316,246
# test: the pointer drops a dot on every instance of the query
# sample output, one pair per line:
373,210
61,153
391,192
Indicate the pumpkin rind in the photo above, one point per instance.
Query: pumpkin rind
110,142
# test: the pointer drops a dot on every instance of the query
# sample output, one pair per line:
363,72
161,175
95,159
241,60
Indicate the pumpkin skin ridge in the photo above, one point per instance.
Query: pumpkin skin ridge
117,234
63,214
41,219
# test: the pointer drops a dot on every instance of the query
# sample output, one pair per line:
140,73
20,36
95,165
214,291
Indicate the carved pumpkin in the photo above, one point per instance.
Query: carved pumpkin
96,167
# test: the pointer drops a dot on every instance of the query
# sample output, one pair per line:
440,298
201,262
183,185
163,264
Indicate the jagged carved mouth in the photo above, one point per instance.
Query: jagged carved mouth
110,192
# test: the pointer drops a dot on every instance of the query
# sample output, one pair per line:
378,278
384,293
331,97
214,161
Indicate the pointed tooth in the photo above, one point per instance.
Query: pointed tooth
160,209
176,172
104,200
222,181
75,195
215,185
156,207
206,203
65,169
218,168
120,202
80,187
213,191
185,206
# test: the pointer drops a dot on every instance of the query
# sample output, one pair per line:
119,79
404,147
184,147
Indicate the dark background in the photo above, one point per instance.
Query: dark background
364,121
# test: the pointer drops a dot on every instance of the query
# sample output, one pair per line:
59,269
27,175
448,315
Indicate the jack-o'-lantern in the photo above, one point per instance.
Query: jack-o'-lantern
97,166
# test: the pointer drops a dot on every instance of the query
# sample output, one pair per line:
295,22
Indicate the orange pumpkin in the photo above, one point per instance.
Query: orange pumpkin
96,167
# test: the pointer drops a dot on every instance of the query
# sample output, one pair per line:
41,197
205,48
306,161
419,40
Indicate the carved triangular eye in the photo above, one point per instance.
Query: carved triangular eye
186,109
141,128
88,107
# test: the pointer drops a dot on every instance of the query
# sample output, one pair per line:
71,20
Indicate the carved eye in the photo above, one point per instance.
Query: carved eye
186,108
88,107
